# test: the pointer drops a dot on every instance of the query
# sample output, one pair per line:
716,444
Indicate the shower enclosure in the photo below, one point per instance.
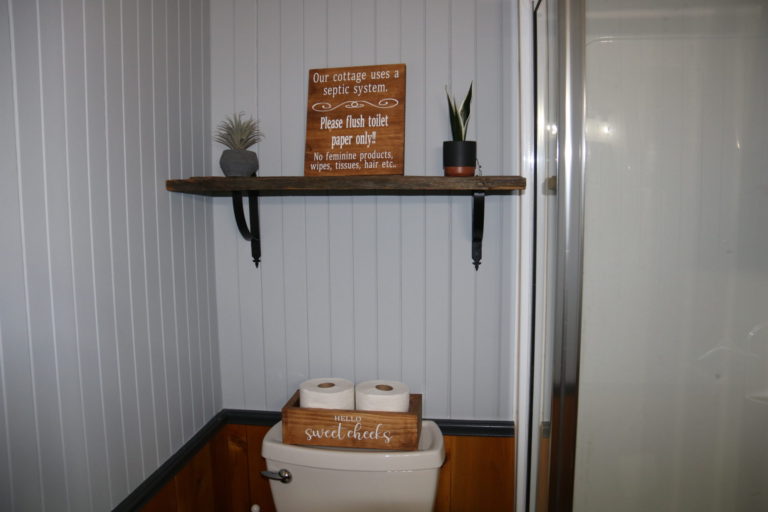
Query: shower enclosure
650,380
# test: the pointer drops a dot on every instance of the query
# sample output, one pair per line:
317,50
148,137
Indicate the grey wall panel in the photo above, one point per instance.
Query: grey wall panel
9,231
21,478
108,339
369,287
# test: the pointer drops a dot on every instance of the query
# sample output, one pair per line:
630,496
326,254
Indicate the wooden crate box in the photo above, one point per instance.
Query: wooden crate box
352,429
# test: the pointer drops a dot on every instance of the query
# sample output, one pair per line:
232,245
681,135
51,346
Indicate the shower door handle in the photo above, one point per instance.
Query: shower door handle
283,475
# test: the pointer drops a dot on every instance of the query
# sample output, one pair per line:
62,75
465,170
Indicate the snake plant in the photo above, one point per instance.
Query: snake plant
459,114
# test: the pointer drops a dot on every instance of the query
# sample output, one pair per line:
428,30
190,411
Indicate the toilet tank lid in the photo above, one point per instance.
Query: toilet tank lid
430,454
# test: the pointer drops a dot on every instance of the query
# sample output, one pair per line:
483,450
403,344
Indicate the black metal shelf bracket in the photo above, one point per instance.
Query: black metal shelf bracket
251,235
478,218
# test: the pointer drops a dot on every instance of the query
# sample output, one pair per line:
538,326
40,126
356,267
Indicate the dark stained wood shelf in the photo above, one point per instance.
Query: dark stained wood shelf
253,187
299,185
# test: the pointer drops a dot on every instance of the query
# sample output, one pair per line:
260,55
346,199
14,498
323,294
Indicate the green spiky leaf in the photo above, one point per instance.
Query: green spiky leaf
459,116
464,110
238,133
454,117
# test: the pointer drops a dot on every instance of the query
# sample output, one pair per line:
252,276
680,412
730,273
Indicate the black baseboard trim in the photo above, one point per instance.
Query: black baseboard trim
144,492
248,417
476,428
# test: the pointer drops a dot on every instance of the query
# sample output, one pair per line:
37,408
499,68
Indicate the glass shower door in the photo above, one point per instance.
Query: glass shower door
673,377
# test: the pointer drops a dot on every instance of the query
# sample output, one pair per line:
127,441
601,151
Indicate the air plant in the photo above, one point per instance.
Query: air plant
238,133
459,114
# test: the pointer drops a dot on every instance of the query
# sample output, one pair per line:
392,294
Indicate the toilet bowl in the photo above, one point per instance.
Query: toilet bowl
319,479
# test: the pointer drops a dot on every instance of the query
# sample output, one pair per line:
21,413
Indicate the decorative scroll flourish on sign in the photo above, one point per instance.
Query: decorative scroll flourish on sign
355,121
327,107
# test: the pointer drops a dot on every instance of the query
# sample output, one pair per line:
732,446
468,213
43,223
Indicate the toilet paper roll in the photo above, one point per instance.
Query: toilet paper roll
327,393
382,395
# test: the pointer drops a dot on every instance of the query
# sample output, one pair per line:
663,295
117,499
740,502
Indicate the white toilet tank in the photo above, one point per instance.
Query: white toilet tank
353,480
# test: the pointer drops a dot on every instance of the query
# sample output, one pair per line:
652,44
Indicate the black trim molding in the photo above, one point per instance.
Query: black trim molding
247,417
144,492
476,428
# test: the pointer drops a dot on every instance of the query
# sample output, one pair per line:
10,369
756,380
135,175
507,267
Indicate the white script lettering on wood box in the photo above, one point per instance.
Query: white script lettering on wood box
349,428
380,430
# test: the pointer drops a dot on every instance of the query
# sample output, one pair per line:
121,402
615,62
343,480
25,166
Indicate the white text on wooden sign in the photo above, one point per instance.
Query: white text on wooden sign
355,121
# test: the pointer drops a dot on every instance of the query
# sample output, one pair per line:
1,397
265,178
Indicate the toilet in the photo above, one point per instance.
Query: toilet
320,479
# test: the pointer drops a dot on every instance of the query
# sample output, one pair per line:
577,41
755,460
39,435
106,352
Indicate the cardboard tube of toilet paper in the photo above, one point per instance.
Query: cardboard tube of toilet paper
382,395
327,393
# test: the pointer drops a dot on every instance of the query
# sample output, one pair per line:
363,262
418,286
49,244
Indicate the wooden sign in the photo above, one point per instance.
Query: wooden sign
355,121
352,429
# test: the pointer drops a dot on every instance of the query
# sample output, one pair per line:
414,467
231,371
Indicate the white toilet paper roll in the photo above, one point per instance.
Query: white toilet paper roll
382,395
327,393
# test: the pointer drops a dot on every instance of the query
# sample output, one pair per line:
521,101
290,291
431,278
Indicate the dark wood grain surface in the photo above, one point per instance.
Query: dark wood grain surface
298,185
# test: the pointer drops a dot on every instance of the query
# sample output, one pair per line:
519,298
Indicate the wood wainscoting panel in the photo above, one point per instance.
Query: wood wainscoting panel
225,475
542,482
443,499
194,483
164,500
482,473
230,468
261,494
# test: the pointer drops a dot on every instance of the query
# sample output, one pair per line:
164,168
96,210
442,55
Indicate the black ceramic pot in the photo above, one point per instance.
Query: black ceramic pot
459,157
239,162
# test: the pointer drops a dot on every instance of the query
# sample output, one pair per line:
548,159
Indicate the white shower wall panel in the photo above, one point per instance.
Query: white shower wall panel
368,287
674,344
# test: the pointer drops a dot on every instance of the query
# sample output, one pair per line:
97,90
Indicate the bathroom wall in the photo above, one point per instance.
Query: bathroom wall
108,355
370,287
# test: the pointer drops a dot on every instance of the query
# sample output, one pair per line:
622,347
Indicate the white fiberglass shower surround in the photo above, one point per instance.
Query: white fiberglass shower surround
651,345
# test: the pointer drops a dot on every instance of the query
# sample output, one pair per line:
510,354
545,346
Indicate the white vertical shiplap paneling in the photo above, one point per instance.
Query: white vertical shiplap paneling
437,259
512,283
388,227
318,259
107,314
463,68
78,106
164,125
489,129
225,255
341,293
368,287
34,219
150,306
10,233
413,212
294,208
365,308
23,478
273,319
251,356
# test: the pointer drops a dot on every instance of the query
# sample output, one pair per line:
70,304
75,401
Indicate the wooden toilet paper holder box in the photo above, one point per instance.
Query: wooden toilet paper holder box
378,430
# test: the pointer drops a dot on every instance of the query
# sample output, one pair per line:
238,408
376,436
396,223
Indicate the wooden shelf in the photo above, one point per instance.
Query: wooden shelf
253,187
300,185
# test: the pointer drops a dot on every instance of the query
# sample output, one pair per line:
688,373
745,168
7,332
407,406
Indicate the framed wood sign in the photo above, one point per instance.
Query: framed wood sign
355,121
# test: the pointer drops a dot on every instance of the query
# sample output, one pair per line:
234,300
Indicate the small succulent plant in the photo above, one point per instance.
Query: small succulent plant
459,114
238,133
